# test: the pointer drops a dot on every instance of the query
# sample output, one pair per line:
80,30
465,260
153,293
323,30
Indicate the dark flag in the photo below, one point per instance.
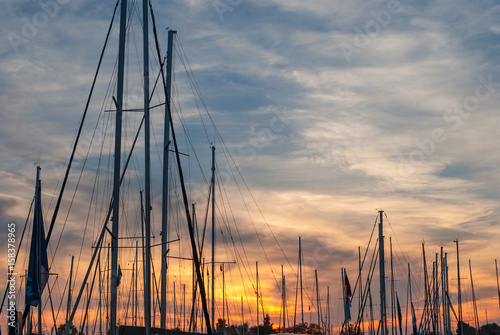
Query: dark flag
34,288
347,296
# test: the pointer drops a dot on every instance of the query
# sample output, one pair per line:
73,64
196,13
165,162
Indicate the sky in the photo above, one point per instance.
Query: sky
331,110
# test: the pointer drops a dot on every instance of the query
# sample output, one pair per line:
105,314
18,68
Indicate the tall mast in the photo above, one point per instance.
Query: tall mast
194,312
360,291
147,176
164,213
409,301
383,315
392,288
223,297
283,297
213,237
68,310
498,286
426,282
183,307
443,291
300,273
372,326
436,297
100,294
39,237
175,309
108,287
476,319
328,308
257,277
344,301
242,318
448,316
116,172
136,280
317,298
460,324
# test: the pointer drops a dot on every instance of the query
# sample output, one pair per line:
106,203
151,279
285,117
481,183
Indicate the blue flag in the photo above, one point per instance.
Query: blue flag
34,288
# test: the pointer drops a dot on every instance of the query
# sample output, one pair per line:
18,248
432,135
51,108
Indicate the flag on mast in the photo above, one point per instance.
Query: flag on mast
347,298
34,286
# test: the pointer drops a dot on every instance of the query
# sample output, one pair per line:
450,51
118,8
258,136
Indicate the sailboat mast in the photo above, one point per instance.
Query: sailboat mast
116,171
175,309
68,310
147,175
164,218
136,280
460,324
443,291
436,296
213,237
360,292
223,297
476,319
257,278
39,237
194,312
448,317
426,282
383,316
100,295
409,301
283,297
317,298
498,286
328,308
183,307
392,288
300,272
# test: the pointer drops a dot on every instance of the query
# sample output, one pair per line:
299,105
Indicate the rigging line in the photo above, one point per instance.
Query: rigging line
52,308
88,300
56,210
99,241
192,82
86,222
206,221
239,235
222,191
102,202
369,278
397,240
73,198
185,128
253,224
81,172
366,252
256,204
17,253
155,284
61,300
